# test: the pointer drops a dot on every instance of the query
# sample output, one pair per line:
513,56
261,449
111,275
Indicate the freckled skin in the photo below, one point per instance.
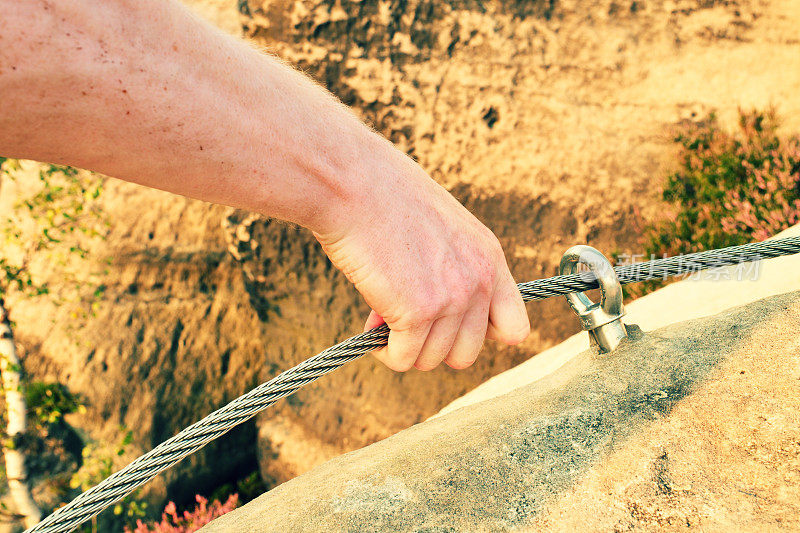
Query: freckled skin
93,84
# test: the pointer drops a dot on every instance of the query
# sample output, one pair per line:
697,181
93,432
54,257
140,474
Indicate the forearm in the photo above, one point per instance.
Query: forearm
143,91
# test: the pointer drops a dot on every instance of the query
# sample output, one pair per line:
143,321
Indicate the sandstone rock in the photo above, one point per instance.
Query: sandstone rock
695,426
705,294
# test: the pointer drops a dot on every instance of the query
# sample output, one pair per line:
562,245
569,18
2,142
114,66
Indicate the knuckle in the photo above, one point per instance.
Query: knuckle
436,349
459,298
491,243
460,288
425,311
496,248
487,272
498,258
416,314
464,357
459,364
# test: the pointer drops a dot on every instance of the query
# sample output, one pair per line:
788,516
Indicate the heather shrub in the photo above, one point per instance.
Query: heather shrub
188,521
731,187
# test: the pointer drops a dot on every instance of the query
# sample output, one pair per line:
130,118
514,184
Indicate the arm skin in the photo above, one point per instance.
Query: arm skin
144,91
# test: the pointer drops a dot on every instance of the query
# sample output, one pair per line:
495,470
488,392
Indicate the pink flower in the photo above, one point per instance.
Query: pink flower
191,521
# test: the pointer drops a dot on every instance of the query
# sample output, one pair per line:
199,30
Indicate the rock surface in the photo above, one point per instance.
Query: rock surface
704,294
694,426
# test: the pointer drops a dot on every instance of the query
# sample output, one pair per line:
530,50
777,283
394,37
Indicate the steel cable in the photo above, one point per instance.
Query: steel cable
194,437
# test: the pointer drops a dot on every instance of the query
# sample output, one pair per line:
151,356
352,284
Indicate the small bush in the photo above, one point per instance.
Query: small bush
730,188
49,402
202,514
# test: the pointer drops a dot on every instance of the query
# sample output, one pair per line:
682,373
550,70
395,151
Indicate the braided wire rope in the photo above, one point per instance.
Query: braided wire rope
194,437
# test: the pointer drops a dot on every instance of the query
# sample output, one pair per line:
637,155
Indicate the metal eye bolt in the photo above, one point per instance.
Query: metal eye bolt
602,320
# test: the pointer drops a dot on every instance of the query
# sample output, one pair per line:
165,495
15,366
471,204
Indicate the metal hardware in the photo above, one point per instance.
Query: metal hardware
602,320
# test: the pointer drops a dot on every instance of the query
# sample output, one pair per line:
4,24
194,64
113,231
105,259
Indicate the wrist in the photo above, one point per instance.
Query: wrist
358,185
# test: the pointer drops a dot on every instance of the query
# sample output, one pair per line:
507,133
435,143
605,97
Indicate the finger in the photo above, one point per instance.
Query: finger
404,347
507,312
469,341
373,321
382,355
491,332
439,342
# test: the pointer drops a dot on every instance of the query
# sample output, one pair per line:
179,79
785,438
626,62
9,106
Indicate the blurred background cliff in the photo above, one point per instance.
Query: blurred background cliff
551,120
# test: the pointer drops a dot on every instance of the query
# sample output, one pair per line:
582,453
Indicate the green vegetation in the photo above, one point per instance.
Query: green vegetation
99,463
49,402
52,225
61,204
247,488
731,187
172,522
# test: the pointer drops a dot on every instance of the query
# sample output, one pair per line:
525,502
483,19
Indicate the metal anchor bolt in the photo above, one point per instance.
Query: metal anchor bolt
602,320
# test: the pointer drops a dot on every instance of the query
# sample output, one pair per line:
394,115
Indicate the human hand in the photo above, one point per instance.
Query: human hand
427,267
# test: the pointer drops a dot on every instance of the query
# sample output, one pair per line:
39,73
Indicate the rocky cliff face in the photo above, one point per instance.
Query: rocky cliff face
546,119
692,427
